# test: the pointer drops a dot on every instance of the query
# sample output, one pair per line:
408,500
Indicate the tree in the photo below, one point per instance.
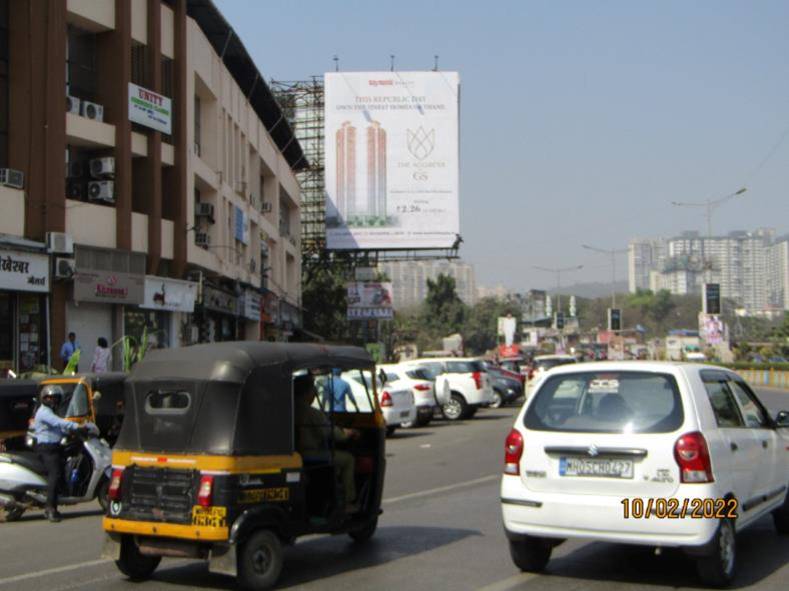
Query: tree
443,310
325,301
481,326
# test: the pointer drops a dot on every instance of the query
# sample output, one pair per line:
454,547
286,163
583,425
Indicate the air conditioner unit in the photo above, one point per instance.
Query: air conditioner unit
92,110
205,210
60,243
64,268
12,178
102,167
202,239
73,105
75,170
75,189
101,191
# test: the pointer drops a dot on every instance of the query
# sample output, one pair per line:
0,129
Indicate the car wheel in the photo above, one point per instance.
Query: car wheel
530,554
497,400
456,408
390,430
260,561
719,567
364,533
9,514
781,517
133,564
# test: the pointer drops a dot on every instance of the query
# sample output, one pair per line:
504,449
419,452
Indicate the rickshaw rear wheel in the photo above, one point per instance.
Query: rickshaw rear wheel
364,533
133,564
260,561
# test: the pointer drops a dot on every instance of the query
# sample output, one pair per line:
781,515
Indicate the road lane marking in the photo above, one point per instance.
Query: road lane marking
53,571
440,489
509,583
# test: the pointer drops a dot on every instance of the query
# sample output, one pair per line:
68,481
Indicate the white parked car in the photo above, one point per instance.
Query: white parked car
543,363
422,386
395,398
648,453
469,384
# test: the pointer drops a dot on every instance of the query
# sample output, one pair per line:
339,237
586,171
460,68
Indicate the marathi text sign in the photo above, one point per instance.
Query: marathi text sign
24,271
391,160
369,300
150,109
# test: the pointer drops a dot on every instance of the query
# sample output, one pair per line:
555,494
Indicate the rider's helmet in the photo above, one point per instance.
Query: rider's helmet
51,395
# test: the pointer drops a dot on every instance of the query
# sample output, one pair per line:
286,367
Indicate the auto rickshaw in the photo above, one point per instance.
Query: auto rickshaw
17,401
210,462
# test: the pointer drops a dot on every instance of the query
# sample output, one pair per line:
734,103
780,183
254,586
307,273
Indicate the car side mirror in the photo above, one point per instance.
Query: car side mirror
96,396
782,419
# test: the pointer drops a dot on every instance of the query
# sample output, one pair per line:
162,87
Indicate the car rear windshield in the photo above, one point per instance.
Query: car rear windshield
549,363
609,402
464,366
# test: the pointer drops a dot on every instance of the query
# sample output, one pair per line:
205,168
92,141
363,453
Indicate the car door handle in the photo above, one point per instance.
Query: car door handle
734,447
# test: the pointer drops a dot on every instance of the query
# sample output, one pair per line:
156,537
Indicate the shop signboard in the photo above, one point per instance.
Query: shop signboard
24,271
150,109
108,287
249,305
173,295
369,300
217,300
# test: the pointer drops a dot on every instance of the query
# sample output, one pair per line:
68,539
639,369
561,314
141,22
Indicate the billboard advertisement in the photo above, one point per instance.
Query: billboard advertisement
367,300
712,330
391,160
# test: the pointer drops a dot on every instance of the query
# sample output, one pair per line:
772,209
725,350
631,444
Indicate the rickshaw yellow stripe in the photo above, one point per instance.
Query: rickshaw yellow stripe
166,530
209,463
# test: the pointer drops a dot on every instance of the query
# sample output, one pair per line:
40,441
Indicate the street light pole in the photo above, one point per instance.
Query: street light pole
559,271
612,253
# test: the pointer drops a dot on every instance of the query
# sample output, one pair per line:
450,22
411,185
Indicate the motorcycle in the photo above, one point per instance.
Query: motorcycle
86,475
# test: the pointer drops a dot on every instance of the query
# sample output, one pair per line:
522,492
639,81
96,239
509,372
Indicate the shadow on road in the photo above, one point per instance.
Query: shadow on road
38,515
326,556
761,553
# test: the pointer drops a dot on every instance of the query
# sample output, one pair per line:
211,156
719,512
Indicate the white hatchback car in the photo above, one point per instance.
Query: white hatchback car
395,398
423,387
648,453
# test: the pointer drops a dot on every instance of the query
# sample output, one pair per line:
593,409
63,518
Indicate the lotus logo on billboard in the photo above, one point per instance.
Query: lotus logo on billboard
421,142
110,288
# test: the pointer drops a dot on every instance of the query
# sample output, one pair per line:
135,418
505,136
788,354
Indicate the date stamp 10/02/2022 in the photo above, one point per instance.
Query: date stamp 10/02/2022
673,508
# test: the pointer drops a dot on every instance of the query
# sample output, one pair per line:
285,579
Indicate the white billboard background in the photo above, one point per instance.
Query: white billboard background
392,149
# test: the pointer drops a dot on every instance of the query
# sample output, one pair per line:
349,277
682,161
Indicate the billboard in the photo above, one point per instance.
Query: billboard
391,160
369,299
712,330
506,328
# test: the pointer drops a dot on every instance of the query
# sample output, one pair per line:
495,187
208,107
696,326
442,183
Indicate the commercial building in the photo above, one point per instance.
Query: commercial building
175,209
749,266
409,280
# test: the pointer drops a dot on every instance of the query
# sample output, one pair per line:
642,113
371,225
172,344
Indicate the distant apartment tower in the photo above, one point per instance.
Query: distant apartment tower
778,274
409,280
376,170
642,257
346,170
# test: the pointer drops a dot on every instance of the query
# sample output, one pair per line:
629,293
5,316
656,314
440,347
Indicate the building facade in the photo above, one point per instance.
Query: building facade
749,266
176,215
409,280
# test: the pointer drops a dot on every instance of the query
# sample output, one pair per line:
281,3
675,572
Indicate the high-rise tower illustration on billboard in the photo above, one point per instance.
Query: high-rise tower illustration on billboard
346,170
376,172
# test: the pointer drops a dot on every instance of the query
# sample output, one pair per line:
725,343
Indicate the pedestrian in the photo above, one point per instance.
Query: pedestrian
337,391
67,350
102,358
49,429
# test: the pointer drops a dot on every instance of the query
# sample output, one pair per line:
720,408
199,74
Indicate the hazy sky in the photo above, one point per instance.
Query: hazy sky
580,121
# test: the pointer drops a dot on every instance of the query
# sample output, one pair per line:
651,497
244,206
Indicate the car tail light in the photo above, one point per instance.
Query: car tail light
477,375
422,387
693,458
386,399
513,450
205,493
116,482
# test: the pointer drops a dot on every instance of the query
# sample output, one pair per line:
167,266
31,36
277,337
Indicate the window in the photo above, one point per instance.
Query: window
167,402
611,402
726,413
77,402
752,412
81,64
139,64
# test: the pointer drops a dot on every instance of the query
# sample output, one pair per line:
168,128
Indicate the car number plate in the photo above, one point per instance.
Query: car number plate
589,467
404,414
209,516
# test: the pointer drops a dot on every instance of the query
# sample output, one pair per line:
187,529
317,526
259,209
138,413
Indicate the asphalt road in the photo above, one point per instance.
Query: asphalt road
441,529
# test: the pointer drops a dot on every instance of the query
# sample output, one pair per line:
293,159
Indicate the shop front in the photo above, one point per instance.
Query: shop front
97,309
166,307
24,311
249,307
217,317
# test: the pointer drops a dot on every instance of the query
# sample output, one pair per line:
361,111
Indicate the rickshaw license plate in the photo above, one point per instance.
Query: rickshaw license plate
587,467
209,516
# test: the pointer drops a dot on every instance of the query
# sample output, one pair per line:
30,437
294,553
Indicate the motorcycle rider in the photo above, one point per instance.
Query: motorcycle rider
49,429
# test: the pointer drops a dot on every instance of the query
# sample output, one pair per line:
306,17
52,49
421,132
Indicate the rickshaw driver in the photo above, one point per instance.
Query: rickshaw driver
313,427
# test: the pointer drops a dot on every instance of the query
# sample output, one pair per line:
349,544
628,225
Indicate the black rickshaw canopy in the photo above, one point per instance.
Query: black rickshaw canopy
230,398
